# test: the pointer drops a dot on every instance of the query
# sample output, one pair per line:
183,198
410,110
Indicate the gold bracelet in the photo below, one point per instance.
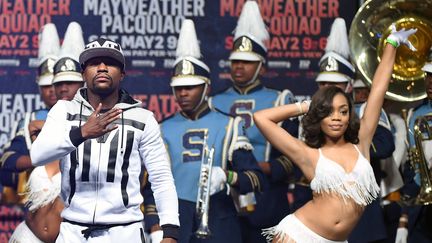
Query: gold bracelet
307,102
299,107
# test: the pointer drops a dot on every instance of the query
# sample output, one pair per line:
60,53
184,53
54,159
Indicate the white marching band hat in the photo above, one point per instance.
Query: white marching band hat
188,68
250,35
334,64
67,67
49,47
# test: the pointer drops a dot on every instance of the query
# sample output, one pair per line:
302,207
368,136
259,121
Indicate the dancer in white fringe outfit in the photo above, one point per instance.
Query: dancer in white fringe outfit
334,155
43,219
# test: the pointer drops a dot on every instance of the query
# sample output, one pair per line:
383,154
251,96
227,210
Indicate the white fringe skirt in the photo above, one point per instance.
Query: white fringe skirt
292,230
23,234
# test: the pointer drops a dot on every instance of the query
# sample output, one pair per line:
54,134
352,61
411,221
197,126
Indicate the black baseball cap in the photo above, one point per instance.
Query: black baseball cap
102,48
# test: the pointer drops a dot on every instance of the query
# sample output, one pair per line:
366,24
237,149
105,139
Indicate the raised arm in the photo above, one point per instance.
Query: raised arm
267,122
380,85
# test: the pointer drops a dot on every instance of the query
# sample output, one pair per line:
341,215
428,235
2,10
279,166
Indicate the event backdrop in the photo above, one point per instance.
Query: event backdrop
148,31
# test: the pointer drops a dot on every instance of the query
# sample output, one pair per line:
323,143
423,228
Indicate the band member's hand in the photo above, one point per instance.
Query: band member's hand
265,167
218,179
401,235
168,240
98,124
34,128
156,236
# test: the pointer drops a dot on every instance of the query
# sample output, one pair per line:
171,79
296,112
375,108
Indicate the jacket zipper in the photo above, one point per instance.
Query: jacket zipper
97,183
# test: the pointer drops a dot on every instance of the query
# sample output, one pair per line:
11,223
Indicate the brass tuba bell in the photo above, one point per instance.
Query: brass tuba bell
369,29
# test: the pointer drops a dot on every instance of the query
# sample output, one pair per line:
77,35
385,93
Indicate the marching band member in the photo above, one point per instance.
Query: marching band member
415,223
246,96
196,129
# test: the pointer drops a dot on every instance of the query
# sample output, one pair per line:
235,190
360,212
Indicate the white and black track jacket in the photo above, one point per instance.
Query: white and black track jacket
101,178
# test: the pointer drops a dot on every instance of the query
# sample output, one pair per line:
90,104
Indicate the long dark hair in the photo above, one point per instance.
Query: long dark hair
320,107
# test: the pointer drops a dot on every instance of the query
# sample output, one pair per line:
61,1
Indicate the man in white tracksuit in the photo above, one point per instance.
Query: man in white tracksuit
104,140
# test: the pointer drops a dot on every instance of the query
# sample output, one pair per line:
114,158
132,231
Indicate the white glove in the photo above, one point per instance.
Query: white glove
218,180
156,236
401,235
401,36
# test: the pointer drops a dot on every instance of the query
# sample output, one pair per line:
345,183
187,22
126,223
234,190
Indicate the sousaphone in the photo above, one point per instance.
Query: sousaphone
369,29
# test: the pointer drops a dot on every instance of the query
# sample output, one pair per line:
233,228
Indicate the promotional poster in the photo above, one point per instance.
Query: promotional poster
148,31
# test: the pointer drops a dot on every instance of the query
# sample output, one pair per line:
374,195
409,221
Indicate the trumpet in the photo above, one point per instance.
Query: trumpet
203,197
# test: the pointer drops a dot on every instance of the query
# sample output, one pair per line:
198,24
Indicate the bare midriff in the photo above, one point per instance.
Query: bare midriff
45,222
330,216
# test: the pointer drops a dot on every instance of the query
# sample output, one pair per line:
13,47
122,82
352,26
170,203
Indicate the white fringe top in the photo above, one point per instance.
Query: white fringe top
40,189
359,184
